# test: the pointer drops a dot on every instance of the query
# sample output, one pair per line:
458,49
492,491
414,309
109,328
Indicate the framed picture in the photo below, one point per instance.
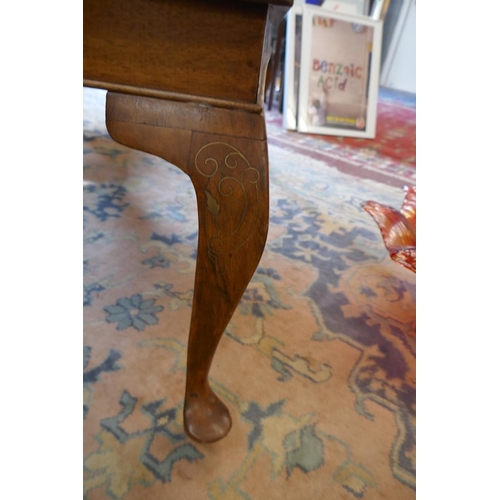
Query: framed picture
339,73
293,49
353,7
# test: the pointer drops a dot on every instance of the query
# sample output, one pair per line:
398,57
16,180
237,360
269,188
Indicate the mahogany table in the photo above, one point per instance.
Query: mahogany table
185,81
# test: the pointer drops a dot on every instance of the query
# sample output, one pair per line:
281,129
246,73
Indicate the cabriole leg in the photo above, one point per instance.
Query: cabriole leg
224,152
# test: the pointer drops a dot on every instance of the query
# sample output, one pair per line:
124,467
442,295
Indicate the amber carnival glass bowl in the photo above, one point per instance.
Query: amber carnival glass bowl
398,228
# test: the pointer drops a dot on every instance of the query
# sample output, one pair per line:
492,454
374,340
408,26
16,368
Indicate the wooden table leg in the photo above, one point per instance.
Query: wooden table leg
224,152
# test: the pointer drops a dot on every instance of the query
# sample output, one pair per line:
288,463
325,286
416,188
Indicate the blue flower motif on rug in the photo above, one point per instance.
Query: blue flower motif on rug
304,450
105,466
261,298
133,312
108,200
88,290
158,260
90,377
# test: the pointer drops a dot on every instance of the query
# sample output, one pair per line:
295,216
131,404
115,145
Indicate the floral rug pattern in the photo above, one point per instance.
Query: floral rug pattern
317,365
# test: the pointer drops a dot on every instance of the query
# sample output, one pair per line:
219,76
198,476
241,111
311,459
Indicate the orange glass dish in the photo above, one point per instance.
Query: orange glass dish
398,228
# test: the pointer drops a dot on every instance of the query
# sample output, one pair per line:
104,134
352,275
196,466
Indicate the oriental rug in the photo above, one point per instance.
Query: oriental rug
389,158
317,365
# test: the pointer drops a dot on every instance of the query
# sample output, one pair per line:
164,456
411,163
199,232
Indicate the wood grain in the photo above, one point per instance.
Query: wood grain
200,47
224,152
187,81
